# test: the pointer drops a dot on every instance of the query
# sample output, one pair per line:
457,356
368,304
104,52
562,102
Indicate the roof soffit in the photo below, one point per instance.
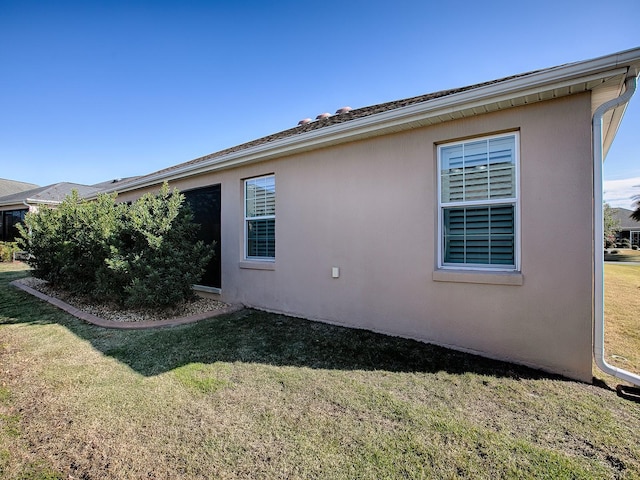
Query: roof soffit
612,119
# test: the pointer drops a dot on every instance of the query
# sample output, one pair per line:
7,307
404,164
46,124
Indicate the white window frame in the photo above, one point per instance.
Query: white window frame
260,217
515,201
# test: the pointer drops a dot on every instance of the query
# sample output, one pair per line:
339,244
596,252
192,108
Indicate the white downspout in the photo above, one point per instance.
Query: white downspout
598,229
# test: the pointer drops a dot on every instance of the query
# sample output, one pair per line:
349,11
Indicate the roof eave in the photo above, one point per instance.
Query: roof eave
39,201
30,201
622,63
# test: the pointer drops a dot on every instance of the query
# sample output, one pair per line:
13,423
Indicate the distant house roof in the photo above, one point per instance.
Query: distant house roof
55,193
624,217
112,183
8,187
605,74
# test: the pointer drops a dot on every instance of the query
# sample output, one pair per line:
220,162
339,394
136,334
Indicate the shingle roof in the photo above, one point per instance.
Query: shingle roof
335,119
623,216
58,191
111,183
50,193
8,187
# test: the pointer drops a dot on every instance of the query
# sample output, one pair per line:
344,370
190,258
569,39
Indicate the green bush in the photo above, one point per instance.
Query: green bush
624,243
139,255
69,243
154,260
7,249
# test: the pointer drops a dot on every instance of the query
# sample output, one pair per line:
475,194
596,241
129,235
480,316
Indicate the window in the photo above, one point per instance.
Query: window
478,203
9,224
260,218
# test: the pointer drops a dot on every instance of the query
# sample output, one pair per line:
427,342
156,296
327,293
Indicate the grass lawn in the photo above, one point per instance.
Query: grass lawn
622,316
256,395
622,255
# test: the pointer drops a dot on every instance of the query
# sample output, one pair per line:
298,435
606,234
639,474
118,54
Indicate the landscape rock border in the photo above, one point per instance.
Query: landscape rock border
141,325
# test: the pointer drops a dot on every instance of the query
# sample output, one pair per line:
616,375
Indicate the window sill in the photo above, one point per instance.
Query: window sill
474,276
255,265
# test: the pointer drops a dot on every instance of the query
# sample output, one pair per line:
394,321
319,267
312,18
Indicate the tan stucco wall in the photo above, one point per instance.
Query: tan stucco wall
370,208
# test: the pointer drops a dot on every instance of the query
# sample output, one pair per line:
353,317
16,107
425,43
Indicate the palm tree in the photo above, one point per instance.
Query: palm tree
636,213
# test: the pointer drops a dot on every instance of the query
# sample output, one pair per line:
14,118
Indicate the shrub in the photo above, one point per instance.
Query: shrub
70,243
154,261
624,243
142,255
614,252
40,236
7,249
634,247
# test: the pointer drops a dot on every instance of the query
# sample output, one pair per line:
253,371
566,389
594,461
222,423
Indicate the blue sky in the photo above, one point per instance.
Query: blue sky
91,91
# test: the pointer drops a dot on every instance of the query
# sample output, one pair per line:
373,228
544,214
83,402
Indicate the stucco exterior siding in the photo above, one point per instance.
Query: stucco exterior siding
370,208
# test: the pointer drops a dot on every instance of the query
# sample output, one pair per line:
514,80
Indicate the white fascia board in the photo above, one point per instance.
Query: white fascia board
43,202
558,77
30,201
36,201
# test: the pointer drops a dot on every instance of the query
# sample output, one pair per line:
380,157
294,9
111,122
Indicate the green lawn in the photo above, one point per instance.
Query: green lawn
622,316
256,395
622,255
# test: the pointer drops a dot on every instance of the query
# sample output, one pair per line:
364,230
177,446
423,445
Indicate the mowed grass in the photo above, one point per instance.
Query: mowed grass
256,395
622,316
622,255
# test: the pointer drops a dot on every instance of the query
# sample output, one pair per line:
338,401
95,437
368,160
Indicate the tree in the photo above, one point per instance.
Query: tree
611,226
636,213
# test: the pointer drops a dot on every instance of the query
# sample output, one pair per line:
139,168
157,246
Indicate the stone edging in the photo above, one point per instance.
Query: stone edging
101,322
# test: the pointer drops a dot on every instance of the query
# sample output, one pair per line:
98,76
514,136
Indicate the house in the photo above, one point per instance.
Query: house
15,205
434,217
629,228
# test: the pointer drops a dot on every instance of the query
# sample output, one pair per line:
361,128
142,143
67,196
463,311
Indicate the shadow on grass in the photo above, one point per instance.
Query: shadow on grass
19,307
252,336
622,258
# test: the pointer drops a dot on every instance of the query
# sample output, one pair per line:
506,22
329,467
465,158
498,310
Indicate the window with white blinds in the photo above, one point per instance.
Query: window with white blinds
478,203
260,217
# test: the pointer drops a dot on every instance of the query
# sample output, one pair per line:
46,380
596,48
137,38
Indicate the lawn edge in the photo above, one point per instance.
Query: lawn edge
101,322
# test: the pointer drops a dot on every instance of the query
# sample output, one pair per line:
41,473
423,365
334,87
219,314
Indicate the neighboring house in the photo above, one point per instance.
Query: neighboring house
10,218
434,217
629,228
14,206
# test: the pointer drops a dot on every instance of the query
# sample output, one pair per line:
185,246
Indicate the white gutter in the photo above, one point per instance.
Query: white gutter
31,202
43,202
598,229
35,202
557,77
